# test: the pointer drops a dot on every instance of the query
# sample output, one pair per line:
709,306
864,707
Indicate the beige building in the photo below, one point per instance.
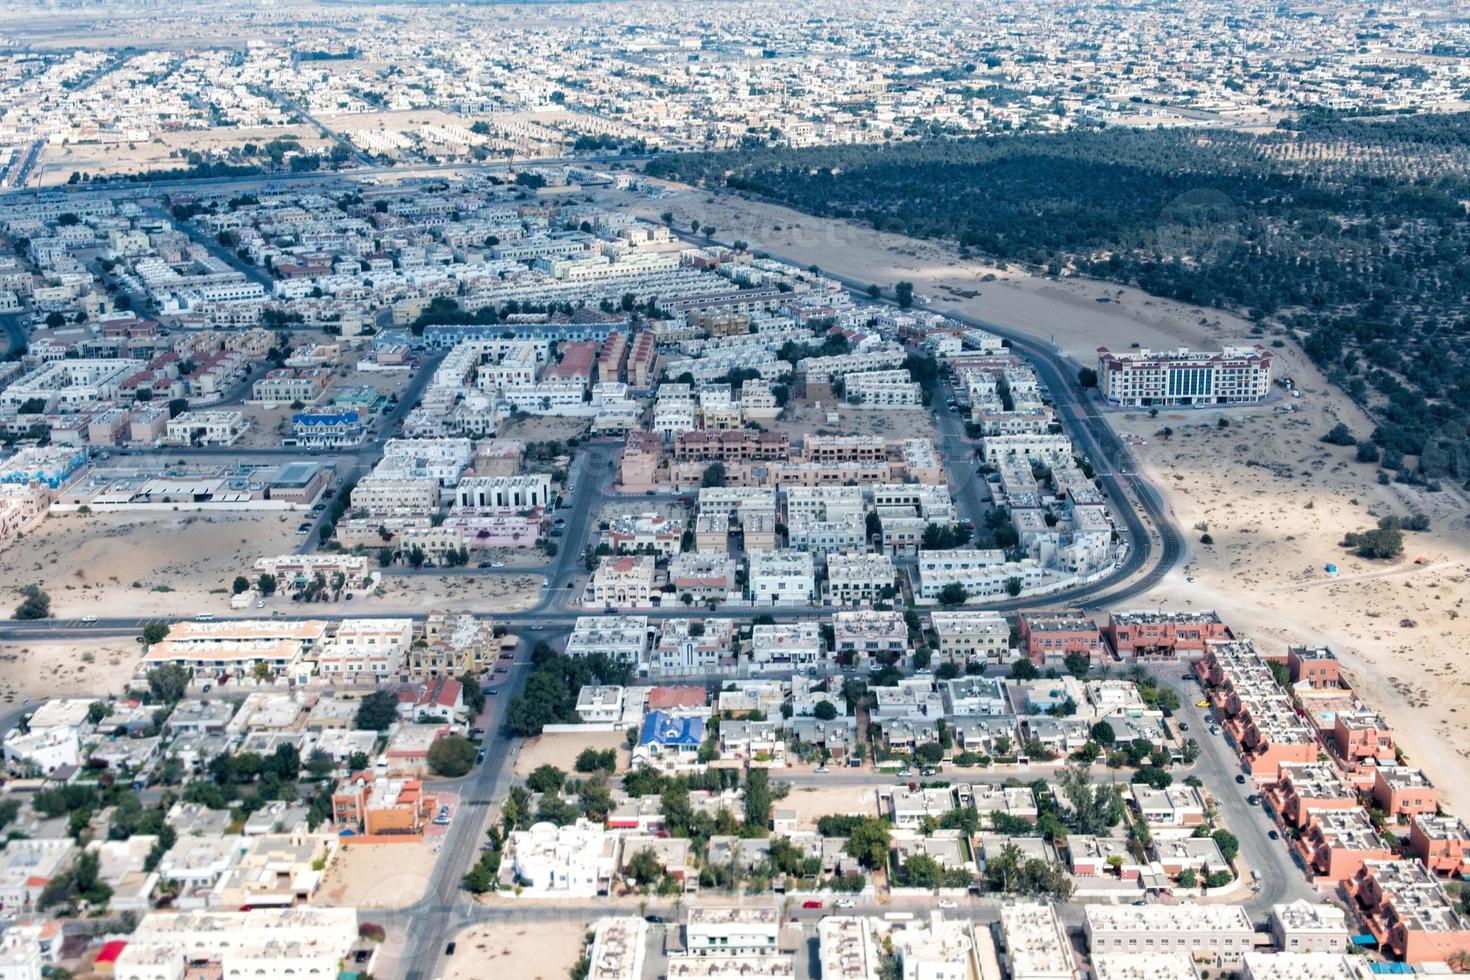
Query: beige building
972,637
623,583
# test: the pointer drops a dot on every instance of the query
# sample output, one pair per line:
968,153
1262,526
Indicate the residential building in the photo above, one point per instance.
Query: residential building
1142,377
625,582
750,929
1407,910
859,579
781,578
1306,927
967,637
1223,932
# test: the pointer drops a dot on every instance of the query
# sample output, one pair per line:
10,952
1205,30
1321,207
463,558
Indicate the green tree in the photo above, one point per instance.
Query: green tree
241,584
154,633
824,711
758,800
953,594
1227,842
868,842
644,867
34,603
903,291
266,583
377,712
168,683
546,779
452,756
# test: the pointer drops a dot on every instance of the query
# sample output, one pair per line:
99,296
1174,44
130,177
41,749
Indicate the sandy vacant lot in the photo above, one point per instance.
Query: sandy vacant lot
801,418
58,162
40,668
378,876
811,802
561,750
540,950
478,593
144,564
543,428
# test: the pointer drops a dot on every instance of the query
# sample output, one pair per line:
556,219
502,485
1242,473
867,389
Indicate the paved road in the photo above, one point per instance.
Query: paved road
1281,879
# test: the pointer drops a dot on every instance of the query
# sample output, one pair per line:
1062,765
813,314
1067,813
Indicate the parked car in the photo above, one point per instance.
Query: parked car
656,920
820,769
811,903
1240,778
844,903
946,903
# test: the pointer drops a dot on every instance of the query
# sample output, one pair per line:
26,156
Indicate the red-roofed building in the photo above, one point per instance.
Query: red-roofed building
678,698
577,361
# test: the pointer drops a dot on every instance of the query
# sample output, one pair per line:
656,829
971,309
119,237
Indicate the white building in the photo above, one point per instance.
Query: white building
574,862
859,579
1143,377
1223,932
1036,944
752,929
782,578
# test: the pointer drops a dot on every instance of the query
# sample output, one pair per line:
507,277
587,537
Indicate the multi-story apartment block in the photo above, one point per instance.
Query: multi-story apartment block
521,492
1163,635
1336,842
972,637
1223,933
365,651
846,533
1047,637
623,638
1441,842
1407,910
859,579
1143,377
1303,788
1305,927
1317,667
781,577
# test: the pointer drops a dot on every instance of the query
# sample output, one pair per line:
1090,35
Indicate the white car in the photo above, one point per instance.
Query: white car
497,564
89,618
844,903
820,769
946,903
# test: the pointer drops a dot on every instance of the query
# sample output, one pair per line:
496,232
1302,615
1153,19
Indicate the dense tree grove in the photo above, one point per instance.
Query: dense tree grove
1350,235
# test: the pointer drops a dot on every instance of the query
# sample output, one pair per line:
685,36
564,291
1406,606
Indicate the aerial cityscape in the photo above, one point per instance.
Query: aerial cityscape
700,490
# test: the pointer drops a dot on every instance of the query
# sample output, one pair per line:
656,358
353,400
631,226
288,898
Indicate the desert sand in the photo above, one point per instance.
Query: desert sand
40,668
539,950
802,417
561,750
378,876
1275,498
811,803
